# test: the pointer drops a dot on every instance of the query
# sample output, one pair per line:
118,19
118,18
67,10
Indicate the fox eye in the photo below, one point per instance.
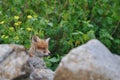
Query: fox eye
42,48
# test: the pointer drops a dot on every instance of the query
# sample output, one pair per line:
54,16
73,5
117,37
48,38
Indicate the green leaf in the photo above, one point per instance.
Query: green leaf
54,59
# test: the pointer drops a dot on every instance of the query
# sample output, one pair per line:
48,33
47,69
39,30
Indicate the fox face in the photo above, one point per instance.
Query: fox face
39,47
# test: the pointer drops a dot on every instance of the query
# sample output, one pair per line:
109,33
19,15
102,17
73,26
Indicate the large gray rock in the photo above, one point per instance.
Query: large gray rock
91,61
12,58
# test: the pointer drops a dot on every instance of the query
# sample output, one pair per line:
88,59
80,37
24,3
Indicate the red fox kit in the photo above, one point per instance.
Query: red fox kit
39,47
35,66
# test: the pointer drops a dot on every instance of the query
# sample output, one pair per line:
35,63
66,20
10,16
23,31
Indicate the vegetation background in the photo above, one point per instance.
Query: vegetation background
69,23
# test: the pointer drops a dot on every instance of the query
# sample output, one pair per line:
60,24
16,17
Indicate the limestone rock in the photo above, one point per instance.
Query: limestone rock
91,61
12,58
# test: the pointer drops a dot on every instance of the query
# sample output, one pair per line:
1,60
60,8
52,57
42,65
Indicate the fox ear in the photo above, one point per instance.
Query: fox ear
35,39
47,40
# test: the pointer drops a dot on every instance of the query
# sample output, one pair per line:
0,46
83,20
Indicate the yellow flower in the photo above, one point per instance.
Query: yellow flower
29,16
28,29
2,22
16,38
11,29
16,17
2,36
17,23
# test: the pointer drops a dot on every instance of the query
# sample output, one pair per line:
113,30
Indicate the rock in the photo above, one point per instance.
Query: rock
42,74
12,58
34,63
36,69
15,64
5,50
91,61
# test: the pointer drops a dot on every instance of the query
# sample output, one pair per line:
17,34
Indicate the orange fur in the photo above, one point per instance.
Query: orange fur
40,45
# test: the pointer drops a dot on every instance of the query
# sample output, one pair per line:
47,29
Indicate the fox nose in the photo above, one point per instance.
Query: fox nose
49,53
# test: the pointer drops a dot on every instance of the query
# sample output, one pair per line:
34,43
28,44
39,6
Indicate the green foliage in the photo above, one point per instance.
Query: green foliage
69,23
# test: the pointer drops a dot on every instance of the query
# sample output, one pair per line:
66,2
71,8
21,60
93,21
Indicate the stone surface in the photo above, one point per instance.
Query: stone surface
15,64
36,69
4,51
91,61
12,58
42,74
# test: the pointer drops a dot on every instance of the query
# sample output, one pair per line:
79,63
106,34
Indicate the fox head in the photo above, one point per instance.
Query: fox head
39,47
